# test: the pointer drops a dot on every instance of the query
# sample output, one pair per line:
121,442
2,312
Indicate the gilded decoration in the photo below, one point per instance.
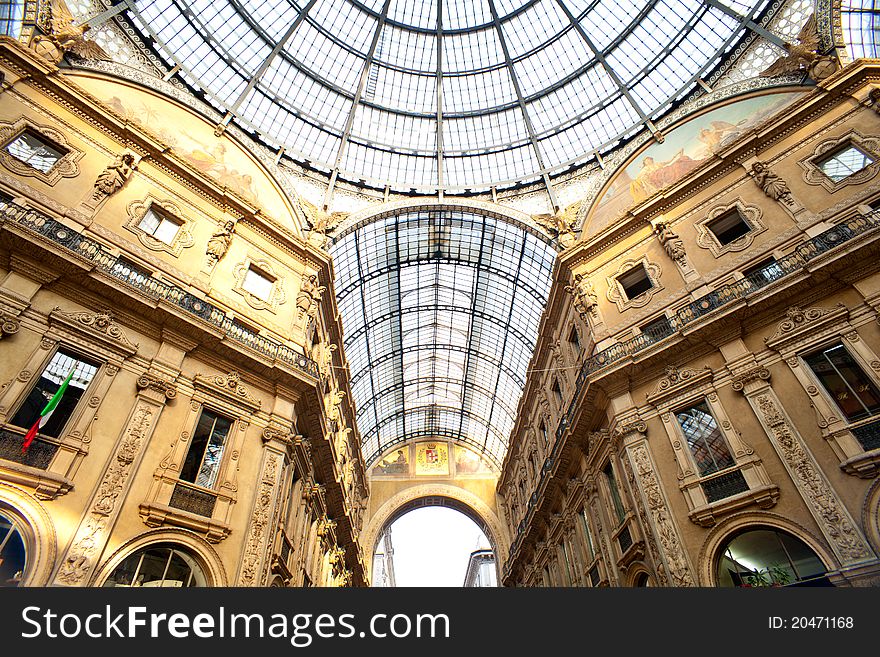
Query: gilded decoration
67,165
164,209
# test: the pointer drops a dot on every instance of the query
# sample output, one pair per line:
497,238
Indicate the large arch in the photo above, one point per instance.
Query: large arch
38,532
434,494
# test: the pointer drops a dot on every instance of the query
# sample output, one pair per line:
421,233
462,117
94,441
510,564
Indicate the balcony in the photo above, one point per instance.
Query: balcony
83,247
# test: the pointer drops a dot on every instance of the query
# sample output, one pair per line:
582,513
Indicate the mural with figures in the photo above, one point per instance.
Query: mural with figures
683,149
192,139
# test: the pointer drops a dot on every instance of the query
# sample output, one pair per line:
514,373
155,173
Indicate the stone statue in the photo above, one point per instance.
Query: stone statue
61,35
804,56
560,224
672,243
771,184
218,245
585,298
874,99
112,178
309,295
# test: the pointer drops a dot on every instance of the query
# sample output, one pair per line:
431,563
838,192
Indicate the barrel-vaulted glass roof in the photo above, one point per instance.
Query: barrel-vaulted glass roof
440,309
444,94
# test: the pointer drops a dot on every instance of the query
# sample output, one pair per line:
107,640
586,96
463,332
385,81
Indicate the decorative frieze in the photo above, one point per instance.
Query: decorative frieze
672,553
259,533
832,516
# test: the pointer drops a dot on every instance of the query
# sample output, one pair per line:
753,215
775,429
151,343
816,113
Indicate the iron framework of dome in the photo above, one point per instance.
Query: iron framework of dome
453,95
441,310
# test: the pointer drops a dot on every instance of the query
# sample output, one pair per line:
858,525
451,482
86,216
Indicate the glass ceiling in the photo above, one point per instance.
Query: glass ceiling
440,310
443,94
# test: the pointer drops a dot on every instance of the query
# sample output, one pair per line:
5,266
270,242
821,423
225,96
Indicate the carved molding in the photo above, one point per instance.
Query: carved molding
230,387
183,238
676,380
813,175
147,381
92,533
66,167
616,293
832,517
664,529
260,527
751,214
798,321
100,325
9,325
754,375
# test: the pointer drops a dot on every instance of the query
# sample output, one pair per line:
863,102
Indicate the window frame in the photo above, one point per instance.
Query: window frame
814,175
67,166
163,209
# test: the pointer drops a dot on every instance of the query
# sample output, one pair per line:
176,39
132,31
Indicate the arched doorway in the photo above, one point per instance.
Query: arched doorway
433,545
767,556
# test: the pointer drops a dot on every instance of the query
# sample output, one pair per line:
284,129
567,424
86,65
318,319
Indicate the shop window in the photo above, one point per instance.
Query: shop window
13,556
846,382
707,445
164,565
769,557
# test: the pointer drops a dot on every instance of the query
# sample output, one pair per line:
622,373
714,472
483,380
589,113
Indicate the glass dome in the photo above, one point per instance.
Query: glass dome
444,94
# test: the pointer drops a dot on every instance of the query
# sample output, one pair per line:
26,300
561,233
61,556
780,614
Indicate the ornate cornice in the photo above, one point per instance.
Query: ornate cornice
97,325
675,381
147,381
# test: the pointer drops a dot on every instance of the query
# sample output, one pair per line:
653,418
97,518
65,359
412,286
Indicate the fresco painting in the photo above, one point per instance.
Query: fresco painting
683,149
468,462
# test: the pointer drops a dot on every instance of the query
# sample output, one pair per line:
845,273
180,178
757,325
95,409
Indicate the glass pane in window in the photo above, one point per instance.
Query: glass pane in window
707,444
846,382
158,565
48,384
34,152
202,463
844,163
257,284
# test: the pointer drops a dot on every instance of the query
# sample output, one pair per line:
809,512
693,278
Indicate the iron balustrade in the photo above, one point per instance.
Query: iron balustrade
868,435
38,455
194,500
724,486
697,310
120,269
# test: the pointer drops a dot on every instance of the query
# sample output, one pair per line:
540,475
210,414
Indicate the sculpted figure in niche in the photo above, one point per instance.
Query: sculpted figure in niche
771,184
112,179
585,298
218,245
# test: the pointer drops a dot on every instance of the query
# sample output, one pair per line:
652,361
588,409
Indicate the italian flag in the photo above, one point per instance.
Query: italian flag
46,413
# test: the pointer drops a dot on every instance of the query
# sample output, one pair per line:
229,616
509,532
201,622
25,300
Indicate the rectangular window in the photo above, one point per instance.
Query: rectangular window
843,379
617,503
844,162
557,392
51,379
158,225
729,227
34,151
202,463
588,537
635,282
258,283
574,340
707,444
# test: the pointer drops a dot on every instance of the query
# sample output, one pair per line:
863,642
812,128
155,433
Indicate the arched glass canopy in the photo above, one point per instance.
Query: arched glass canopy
444,94
441,310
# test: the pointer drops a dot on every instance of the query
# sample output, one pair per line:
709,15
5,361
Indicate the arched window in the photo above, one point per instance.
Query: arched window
13,556
769,557
164,564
